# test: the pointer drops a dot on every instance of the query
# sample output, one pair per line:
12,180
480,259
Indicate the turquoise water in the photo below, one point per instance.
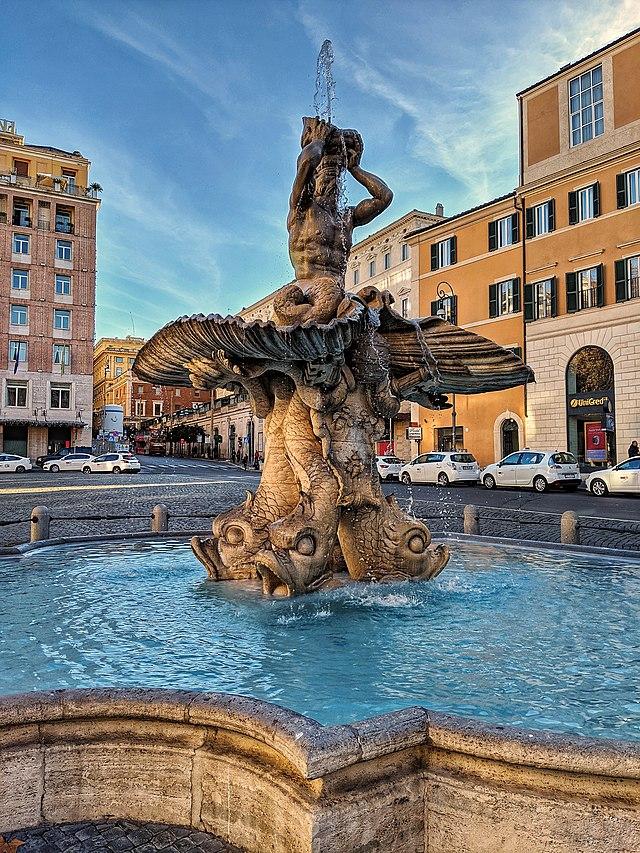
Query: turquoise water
534,640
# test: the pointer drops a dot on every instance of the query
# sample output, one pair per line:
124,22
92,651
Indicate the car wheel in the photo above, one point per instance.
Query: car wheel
86,470
20,469
599,488
406,479
540,484
54,468
443,480
489,482
116,469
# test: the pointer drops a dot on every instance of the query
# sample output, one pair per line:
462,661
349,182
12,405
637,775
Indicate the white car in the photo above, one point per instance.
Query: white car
388,467
114,463
624,477
533,469
70,462
16,464
441,468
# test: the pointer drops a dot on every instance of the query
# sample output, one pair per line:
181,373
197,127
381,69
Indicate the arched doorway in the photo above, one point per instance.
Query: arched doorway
591,435
509,437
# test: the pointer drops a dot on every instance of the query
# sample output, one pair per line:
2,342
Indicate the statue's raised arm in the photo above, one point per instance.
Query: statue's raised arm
381,195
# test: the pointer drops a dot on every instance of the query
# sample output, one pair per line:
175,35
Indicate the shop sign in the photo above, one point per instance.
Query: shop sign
595,442
599,401
414,433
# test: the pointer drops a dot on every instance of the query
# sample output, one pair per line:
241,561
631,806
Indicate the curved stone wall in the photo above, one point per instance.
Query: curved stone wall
267,779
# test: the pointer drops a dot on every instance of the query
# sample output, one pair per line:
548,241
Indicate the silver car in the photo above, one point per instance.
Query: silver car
534,469
114,463
389,467
70,462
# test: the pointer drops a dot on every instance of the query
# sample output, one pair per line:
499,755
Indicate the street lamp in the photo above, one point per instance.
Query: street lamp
446,292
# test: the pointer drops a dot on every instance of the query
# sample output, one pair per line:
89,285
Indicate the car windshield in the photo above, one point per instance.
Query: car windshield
462,457
564,459
128,456
392,460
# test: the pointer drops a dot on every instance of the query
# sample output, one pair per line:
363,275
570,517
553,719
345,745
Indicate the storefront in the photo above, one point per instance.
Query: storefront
591,419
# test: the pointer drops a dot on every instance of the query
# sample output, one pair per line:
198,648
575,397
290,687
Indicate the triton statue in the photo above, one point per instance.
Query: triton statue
325,373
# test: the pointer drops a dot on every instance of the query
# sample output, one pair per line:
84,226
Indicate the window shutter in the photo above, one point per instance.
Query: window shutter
529,223
573,208
596,199
552,214
572,292
554,297
621,279
454,249
516,295
493,299
621,190
493,236
515,229
600,285
434,256
528,302
454,308
434,307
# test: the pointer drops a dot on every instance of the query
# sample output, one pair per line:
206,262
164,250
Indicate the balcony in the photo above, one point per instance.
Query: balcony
21,219
49,183
64,226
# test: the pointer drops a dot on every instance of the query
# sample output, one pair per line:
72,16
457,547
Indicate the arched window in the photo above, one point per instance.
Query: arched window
509,437
591,430
590,369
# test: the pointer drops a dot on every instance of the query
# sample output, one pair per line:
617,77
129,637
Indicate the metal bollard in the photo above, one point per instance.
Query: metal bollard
40,521
159,519
471,518
570,528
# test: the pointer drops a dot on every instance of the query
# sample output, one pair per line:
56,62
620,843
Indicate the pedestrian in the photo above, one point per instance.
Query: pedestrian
633,450
256,460
245,461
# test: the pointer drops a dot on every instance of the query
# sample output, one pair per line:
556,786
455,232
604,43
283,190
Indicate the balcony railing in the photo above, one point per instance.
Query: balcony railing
21,221
48,183
64,227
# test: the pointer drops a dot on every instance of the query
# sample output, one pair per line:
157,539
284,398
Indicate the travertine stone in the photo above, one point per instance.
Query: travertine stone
21,782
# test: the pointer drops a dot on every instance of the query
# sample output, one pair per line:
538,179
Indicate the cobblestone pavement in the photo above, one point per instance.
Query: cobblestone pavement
113,837
192,487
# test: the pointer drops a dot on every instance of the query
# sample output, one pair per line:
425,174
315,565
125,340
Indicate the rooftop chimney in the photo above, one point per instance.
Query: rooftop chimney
439,209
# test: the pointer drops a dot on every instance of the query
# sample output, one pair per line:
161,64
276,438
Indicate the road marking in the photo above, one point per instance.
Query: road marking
41,489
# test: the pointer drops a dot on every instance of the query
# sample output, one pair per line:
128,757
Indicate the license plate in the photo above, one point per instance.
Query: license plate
467,467
573,476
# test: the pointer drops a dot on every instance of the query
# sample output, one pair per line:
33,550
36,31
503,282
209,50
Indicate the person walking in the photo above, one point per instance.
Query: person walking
633,450
245,461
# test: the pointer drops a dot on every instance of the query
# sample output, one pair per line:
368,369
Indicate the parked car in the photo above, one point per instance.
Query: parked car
70,462
534,469
389,467
441,468
113,463
13,463
157,448
60,454
624,477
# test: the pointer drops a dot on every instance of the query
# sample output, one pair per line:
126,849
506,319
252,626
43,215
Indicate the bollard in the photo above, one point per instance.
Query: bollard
471,520
570,528
40,521
159,519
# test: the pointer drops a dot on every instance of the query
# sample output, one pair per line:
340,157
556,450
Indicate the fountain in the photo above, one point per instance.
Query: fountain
325,372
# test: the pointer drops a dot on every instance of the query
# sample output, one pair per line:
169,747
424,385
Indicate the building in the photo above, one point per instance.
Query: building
552,270
112,357
47,278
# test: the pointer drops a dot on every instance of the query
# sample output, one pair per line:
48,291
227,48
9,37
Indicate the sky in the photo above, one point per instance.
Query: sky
190,112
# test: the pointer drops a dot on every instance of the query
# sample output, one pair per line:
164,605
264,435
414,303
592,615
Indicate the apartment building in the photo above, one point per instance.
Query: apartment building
112,357
47,279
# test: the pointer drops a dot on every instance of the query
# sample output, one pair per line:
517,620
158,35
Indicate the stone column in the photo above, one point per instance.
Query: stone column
159,519
570,528
40,521
471,517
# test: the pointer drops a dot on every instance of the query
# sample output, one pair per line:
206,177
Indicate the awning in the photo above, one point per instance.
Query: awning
40,423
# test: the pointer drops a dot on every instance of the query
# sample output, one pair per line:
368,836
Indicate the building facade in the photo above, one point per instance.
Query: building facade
47,279
112,357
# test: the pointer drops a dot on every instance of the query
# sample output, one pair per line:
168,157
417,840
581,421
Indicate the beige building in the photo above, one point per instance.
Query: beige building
47,281
112,357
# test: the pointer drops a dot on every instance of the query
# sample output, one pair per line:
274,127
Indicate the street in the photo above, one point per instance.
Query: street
192,487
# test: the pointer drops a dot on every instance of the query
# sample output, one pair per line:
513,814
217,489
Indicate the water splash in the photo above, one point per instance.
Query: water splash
325,84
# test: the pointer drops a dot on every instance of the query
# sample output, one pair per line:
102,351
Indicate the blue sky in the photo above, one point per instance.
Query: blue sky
190,113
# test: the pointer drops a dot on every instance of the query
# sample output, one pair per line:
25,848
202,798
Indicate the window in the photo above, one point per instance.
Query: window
63,285
584,204
118,371
405,252
541,219
131,360
540,299
586,106
140,408
628,188
64,223
71,180
60,397
61,319
446,308
62,354
387,260
16,394
443,253
177,392
19,315
63,250
444,437
140,389
119,359
21,244
356,276
157,408
585,289
372,268
17,351
503,232
628,279
513,459
531,458
21,168
504,297
21,214
20,279
404,307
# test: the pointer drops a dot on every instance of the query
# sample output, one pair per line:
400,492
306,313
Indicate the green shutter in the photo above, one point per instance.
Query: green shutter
554,297
516,295
528,303
552,214
572,292
573,208
621,279
596,199
493,236
493,300
529,223
434,307
454,249
454,309
434,256
600,285
621,190
515,227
